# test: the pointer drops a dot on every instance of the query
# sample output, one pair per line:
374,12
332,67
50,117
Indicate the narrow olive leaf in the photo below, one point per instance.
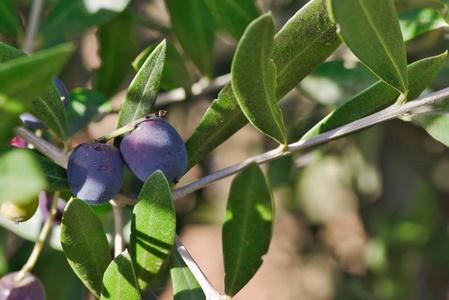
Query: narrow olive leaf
10,23
370,28
175,72
85,244
333,83
436,123
71,17
116,52
254,79
8,53
153,228
25,78
247,229
185,286
55,175
194,25
417,21
21,177
142,92
51,111
84,106
304,42
119,280
233,15
380,95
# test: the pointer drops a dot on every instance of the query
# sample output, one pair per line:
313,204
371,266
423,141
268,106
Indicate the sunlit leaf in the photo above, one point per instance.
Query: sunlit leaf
84,106
119,280
254,79
370,28
85,244
143,90
380,95
152,228
21,177
417,21
304,42
247,229
185,285
175,73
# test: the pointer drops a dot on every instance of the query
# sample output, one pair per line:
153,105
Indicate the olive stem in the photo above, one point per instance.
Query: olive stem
394,111
117,208
129,127
29,265
32,26
207,287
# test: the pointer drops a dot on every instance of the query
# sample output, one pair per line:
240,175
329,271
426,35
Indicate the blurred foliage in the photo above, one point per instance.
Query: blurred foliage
372,208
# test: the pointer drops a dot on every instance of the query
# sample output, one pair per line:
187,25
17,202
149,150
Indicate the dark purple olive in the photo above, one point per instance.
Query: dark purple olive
29,288
45,202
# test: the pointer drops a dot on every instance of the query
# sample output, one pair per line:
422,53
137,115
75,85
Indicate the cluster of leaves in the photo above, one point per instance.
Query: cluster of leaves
265,67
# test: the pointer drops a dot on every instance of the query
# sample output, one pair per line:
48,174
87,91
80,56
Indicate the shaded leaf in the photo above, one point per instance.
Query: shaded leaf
175,73
152,228
194,25
417,21
435,122
304,42
71,17
233,15
24,78
370,28
380,95
143,90
10,23
116,52
119,280
254,79
85,244
185,285
8,53
247,229
21,177
84,106
332,83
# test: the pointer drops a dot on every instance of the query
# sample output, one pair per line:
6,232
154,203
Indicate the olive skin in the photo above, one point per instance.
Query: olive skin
29,288
95,172
19,212
155,145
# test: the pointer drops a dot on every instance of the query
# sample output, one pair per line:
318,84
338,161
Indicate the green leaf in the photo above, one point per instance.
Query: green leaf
194,25
233,15
85,244
143,90
153,228
116,52
254,79
175,73
24,78
8,53
247,229
185,285
21,177
304,42
10,23
84,105
332,83
55,175
119,280
380,95
370,28
417,21
71,17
